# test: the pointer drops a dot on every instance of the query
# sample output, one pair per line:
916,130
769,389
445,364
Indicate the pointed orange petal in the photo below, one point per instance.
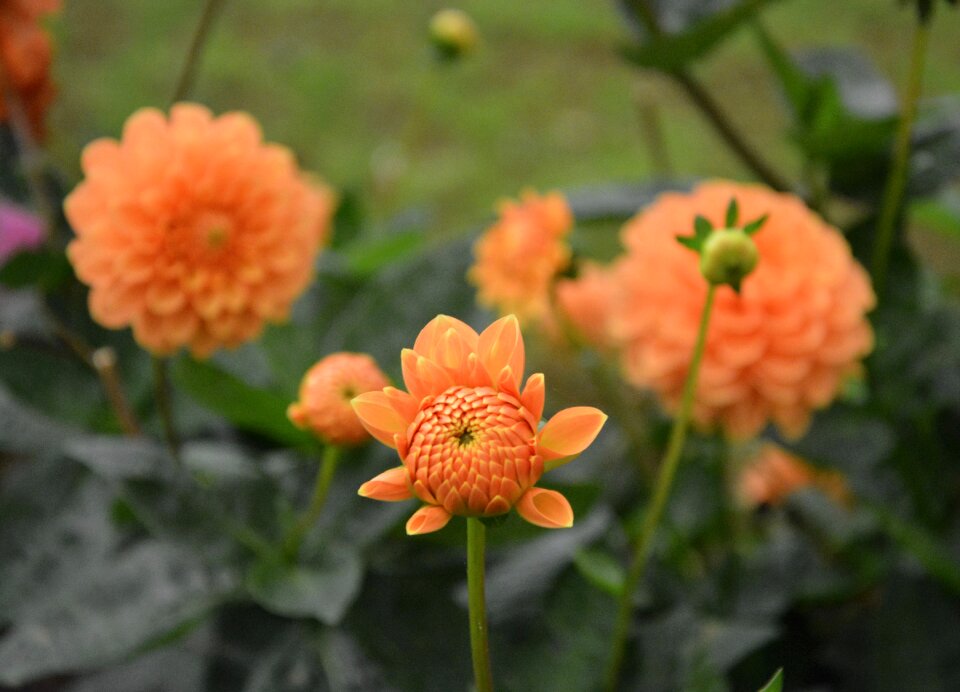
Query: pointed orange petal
546,508
500,345
427,339
432,377
392,485
533,395
451,353
569,432
379,418
427,519
402,403
507,383
411,378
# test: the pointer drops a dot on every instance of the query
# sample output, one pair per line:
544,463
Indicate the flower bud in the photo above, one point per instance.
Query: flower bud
453,34
728,256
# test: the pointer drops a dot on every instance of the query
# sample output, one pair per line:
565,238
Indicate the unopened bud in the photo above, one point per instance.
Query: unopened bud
728,257
453,34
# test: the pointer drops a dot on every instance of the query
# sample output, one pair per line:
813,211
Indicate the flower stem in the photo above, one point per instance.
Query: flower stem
189,71
897,181
661,493
328,466
161,388
479,646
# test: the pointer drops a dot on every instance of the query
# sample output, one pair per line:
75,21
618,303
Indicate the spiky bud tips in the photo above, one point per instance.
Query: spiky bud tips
453,34
728,256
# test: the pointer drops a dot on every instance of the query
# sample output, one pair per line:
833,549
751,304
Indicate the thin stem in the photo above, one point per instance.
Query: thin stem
328,467
161,388
713,112
897,181
479,646
189,71
671,461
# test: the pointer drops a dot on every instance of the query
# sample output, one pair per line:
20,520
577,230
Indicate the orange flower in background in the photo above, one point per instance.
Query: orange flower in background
775,474
25,57
585,303
777,350
193,231
325,394
468,437
518,257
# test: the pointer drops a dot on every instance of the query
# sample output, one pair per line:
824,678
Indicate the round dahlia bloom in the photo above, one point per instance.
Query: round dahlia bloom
519,256
775,474
585,303
777,350
25,57
193,231
469,438
325,395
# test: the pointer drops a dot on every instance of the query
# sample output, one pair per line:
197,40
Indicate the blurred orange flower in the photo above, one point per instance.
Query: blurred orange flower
779,349
325,394
466,434
585,302
775,474
192,230
25,57
518,257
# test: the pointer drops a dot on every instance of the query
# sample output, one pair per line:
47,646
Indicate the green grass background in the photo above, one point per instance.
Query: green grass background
547,102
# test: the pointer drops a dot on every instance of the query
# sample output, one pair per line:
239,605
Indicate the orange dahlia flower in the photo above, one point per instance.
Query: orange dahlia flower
25,57
469,438
777,350
775,474
325,394
518,257
585,303
192,230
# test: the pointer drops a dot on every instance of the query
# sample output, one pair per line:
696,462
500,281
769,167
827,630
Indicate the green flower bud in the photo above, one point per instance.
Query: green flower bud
453,34
728,256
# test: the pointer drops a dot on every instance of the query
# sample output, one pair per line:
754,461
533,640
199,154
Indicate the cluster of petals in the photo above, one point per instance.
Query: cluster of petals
776,351
25,57
774,474
193,231
325,394
518,258
468,437
584,303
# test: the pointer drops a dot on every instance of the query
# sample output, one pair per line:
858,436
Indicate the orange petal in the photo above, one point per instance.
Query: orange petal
403,403
500,345
546,508
423,376
379,418
427,520
427,339
392,485
569,432
533,395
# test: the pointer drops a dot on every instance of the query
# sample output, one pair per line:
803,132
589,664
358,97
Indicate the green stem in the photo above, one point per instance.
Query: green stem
161,388
328,466
479,647
661,493
897,181
189,71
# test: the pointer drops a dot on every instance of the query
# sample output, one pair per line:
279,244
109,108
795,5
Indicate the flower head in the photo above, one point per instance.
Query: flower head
468,437
585,303
518,257
777,350
25,56
775,474
193,231
325,395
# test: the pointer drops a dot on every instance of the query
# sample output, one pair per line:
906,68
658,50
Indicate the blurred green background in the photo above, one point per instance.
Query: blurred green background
353,88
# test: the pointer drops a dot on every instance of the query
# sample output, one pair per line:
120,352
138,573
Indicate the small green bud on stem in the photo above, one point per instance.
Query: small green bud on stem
453,34
728,256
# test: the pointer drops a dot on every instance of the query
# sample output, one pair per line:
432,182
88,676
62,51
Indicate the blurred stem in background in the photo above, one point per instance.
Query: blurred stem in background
712,110
161,387
188,73
479,646
897,180
328,467
661,493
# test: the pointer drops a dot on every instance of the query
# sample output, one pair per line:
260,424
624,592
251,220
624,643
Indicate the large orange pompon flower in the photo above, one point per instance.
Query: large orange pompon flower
519,256
193,231
777,350
469,438
325,394
25,57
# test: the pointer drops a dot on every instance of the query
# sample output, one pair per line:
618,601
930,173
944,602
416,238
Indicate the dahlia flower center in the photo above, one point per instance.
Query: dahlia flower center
473,450
207,234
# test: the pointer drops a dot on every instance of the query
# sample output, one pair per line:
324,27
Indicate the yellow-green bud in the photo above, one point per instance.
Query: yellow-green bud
453,34
728,256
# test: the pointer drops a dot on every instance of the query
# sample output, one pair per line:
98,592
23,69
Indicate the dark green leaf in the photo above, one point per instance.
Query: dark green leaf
41,268
775,684
602,570
366,258
733,214
756,225
927,549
